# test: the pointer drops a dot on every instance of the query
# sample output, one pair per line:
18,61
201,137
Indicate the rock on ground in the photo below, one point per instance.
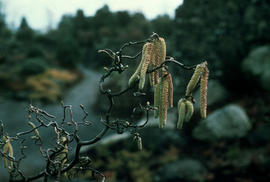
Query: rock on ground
258,65
230,121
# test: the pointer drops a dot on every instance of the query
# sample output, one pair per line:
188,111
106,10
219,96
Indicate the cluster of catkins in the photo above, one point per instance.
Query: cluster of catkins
153,55
185,105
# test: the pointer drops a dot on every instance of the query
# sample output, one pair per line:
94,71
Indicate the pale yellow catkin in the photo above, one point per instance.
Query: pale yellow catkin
194,80
162,52
146,61
170,83
136,74
152,64
181,113
37,136
163,105
189,110
157,58
157,100
7,150
203,92
151,76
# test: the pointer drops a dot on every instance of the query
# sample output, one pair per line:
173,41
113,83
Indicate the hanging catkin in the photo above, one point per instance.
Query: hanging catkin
163,105
181,113
194,80
151,75
203,91
145,63
189,110
136,74
156,60
170,94
162,52
157,99
152,64
7,150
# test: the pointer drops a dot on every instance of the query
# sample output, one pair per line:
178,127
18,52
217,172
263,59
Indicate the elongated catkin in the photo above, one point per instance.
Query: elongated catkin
5,151
189,110
152,75
170,94
146,61
157,99
136,74
203,92
156,59
8,150
163,105
159,56
194,80
162,50
181,113
152,64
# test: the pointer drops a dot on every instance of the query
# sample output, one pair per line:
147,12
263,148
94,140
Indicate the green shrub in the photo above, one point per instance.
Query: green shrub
33,66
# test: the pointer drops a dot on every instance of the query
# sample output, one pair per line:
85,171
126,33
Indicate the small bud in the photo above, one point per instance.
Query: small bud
136,94
127,123
139,143
138,139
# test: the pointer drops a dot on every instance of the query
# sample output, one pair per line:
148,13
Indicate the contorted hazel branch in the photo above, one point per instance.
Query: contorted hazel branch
64,156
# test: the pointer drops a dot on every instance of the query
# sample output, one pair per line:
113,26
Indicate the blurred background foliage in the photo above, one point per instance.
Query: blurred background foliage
233,36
